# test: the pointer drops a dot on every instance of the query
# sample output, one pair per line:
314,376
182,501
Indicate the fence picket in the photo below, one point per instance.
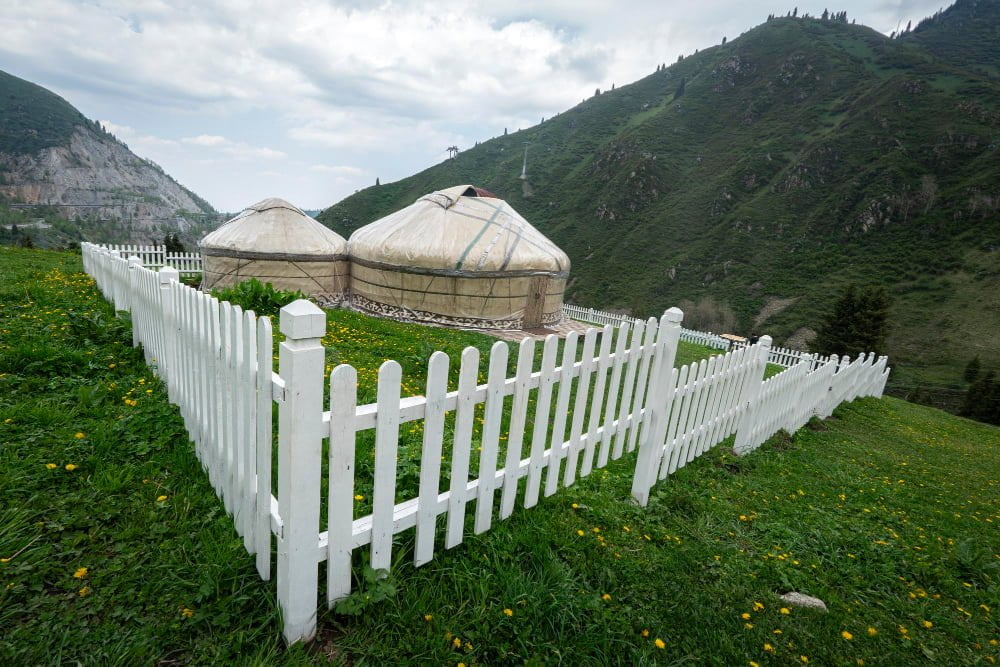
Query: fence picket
465,412
562,408
386,447
580,406
612,403
597,402
518,418
638,333
340,504
491,436
430,457
547,378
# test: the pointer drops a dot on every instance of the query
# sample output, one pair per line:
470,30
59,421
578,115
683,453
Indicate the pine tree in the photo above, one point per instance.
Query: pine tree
972,369
377,182
680,88
858,323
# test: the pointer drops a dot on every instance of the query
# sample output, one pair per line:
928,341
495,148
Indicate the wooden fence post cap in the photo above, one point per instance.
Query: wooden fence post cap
674,314
303,319
765,341
168,274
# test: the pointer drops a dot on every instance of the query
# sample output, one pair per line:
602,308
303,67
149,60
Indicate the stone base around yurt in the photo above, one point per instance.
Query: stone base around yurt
404,314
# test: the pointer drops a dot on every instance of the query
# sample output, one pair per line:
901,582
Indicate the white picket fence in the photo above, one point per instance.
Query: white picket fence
539,431
156,256
787,357
593,316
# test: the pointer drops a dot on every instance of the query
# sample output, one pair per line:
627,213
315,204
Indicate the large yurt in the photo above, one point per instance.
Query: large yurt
277,243
461,257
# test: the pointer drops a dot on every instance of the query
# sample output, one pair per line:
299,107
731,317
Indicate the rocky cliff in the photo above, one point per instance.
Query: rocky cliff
53,156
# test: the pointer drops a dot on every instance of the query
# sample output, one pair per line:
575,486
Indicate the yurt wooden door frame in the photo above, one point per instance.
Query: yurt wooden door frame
534,307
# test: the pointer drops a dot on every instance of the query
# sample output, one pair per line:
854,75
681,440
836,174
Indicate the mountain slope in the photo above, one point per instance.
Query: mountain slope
751,182
50,154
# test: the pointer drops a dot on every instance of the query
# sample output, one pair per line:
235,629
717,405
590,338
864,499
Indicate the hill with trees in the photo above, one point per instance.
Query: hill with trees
65,178
752,182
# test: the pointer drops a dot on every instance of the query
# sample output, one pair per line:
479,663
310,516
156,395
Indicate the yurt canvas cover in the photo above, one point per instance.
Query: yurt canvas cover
459,256
277,243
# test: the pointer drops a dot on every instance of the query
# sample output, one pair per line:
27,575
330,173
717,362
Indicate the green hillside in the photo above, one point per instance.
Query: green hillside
751,182
33,118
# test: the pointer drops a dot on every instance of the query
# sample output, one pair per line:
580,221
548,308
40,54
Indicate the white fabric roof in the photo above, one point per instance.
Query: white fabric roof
458,231
274,226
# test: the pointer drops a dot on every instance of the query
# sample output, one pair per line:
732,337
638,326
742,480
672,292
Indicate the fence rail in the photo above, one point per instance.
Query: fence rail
612,394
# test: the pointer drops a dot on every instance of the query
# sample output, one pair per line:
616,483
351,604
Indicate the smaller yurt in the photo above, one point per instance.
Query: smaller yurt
277,243
461,257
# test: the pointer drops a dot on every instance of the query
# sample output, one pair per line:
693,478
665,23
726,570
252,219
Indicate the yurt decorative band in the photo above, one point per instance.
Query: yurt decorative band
456,273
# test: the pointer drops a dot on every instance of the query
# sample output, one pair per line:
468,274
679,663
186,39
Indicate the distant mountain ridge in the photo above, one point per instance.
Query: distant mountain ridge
50,154
751,182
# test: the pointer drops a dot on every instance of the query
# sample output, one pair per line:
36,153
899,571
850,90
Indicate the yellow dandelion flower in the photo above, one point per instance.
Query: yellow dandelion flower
71,467
428,617
785,610
804,658
359,497
847,635
606,597
645,633
777,632
51,466
659,643
79,435
83,592
596,529
758,606
745,616
580,533
461,664
872,631
468,646
575,506
927,624
903,630
456,642
754,664
187,613
80,573
508,612
748,626
768,648
160,499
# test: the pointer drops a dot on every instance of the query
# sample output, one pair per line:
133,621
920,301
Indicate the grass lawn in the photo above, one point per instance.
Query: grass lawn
113,548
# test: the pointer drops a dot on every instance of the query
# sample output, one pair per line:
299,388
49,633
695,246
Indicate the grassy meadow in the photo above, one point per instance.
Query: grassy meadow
114,549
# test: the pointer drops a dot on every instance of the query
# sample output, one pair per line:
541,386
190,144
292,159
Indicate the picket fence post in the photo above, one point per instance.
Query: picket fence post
658,402
167,276
128,293
748,399
300,434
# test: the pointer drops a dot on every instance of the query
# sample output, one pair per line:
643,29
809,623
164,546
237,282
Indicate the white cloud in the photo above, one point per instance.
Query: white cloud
205,140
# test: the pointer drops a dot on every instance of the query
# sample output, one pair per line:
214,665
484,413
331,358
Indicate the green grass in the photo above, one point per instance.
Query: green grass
887,511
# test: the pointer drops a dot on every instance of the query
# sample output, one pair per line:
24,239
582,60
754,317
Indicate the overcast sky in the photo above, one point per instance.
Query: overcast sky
240,100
